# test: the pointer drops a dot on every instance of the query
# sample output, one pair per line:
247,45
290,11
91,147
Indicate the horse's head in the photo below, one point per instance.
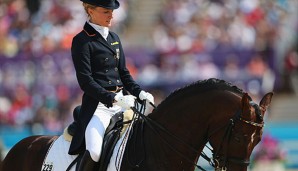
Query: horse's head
232,150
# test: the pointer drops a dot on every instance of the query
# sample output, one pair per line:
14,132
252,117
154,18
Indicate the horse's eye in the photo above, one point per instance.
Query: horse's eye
237,139
246,137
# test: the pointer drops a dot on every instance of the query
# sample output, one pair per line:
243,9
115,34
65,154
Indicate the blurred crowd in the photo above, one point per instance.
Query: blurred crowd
38,86
230,39
33,28
194,39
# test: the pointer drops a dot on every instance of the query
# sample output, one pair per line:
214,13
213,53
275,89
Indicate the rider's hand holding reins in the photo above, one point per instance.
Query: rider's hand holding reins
146,96
125,102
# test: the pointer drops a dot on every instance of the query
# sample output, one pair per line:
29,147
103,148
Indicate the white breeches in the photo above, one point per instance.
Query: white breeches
96,128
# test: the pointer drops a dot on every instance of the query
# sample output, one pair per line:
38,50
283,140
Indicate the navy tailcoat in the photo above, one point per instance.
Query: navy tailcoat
100,67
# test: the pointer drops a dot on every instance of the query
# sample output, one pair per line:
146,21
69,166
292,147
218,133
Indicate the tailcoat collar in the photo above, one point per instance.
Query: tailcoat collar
91,32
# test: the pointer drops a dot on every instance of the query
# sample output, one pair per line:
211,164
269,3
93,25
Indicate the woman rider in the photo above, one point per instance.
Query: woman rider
102,74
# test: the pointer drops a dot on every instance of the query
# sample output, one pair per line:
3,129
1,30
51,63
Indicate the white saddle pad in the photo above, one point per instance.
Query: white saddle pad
58,158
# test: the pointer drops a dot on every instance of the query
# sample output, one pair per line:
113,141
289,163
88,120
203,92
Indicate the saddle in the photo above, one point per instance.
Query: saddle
111,136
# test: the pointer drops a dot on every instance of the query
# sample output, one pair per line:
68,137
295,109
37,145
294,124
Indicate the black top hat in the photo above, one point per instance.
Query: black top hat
109,4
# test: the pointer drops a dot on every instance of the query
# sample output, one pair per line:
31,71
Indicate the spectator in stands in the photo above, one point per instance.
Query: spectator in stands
102,74
291,70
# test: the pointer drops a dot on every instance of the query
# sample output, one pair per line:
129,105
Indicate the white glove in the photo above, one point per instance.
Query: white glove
146,96
125,102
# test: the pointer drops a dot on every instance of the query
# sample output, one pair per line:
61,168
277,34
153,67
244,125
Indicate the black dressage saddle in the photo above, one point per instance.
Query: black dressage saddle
111,137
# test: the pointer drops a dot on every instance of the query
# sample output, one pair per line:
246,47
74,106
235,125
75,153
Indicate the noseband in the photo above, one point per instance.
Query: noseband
215,161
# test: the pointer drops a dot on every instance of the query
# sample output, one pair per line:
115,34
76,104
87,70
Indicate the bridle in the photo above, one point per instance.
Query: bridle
216,158
259,115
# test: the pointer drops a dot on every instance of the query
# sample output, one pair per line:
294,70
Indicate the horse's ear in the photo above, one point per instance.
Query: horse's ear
266,100
245,101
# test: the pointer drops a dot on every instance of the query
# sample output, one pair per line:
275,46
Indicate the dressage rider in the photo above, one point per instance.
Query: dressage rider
101,72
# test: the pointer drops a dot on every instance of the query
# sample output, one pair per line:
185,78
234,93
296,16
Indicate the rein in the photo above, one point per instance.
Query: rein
153,125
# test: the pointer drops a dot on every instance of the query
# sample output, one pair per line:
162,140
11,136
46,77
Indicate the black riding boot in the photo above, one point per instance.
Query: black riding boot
86,163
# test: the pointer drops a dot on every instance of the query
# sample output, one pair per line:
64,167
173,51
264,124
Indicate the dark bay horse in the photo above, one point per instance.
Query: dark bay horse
172,137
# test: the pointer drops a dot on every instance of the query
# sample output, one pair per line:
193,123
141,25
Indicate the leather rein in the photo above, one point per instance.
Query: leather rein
215,160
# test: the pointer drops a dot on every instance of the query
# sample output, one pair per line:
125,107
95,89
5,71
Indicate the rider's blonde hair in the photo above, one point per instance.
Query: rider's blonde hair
88,6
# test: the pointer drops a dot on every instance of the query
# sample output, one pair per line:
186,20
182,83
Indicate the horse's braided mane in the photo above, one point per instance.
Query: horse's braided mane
203,85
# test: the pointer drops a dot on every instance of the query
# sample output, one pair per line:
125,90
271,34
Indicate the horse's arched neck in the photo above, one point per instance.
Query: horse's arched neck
180,119
190,120
197,107
197,114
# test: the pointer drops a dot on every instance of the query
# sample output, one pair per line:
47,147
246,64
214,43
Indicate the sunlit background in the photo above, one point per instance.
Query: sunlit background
168,44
